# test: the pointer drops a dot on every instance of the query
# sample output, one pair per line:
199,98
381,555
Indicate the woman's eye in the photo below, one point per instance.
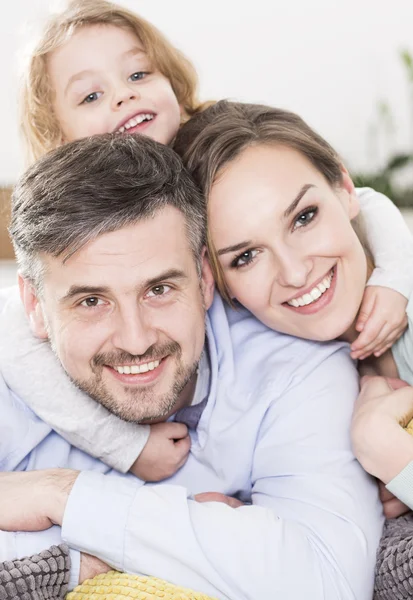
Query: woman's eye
158,290
91,98
138,75
91,302
244,259
305,218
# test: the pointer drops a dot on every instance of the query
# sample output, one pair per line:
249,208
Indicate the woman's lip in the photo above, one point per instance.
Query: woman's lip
310,287
319,304
140,378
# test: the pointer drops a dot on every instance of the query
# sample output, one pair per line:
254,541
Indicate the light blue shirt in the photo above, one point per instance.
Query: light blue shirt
274,433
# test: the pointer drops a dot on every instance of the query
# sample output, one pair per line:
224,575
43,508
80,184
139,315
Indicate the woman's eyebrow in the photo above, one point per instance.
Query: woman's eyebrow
297,199
234,248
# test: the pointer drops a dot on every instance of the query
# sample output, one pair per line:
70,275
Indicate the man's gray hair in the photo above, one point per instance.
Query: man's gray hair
98,185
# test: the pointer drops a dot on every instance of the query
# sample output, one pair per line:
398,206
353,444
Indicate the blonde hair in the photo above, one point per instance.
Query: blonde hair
39,126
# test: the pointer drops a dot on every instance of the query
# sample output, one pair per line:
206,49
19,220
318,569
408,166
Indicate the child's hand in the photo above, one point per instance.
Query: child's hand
382,320
164,453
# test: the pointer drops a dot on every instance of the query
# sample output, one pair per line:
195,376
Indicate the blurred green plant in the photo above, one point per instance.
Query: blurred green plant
385,180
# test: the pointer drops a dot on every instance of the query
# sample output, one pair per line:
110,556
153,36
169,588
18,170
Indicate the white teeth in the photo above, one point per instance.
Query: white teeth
136,120
136,369
314,294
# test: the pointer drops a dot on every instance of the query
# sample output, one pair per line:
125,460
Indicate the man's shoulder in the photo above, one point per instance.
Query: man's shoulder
256,354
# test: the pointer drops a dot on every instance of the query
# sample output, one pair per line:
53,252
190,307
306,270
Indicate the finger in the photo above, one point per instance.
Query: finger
394,508
371,337
384,494
176,431
384,346
396,383
375,386
217,497
182,447
366,309
374,343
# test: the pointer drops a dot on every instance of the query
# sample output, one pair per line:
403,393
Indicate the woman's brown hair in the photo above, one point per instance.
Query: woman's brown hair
213,138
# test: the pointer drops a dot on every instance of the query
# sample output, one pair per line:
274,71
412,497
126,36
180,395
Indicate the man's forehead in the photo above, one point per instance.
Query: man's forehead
135,253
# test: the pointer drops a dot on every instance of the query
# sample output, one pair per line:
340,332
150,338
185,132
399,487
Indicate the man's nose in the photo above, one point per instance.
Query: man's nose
134,332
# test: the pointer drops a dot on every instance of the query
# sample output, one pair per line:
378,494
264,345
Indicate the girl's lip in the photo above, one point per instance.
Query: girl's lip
131,116
319,304
140,127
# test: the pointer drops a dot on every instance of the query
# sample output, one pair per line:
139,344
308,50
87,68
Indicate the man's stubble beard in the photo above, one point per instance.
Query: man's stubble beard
140,398
143,404
140,404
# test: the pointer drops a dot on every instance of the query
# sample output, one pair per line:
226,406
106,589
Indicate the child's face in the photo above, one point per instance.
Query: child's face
103,82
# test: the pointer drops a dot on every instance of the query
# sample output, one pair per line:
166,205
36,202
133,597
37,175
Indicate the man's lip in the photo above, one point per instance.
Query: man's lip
137,364
133,114
310,287
146,378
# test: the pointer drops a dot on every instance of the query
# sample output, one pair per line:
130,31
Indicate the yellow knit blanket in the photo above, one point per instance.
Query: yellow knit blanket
122,586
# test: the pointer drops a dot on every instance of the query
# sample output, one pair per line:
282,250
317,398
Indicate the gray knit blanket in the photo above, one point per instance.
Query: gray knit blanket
44,576
394,566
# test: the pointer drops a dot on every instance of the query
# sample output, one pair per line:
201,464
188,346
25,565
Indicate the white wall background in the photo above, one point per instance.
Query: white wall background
331,61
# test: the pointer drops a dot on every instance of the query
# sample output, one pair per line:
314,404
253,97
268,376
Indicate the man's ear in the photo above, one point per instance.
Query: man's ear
32,308
353,204
207,280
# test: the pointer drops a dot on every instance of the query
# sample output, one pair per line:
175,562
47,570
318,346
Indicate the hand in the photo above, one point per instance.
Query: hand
164,453
381,412
392,506
90,566
381,320
34,500
218,497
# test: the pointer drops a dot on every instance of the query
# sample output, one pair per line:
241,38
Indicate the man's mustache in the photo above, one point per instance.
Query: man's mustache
121,357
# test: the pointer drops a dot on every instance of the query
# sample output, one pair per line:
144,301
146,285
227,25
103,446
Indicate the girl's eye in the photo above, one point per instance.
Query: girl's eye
137,76
91,302
158,290
305,217
91,98
244,259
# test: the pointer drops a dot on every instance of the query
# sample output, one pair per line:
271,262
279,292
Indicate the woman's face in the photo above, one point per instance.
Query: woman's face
285,242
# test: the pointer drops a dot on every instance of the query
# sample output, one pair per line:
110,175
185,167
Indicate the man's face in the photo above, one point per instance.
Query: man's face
126,316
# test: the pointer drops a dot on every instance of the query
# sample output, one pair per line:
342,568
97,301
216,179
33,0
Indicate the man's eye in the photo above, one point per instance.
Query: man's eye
244,259
91,302
138,75
305,218
91,97
158,290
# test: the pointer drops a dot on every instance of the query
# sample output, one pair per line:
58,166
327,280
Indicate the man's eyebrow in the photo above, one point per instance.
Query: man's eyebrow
234,248
169,274
77,290
297,199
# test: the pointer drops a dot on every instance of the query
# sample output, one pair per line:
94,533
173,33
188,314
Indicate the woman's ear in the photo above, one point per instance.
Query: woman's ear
353,204
32,308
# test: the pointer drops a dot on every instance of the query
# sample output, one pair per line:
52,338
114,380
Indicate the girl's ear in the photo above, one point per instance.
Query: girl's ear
353,205
32,308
